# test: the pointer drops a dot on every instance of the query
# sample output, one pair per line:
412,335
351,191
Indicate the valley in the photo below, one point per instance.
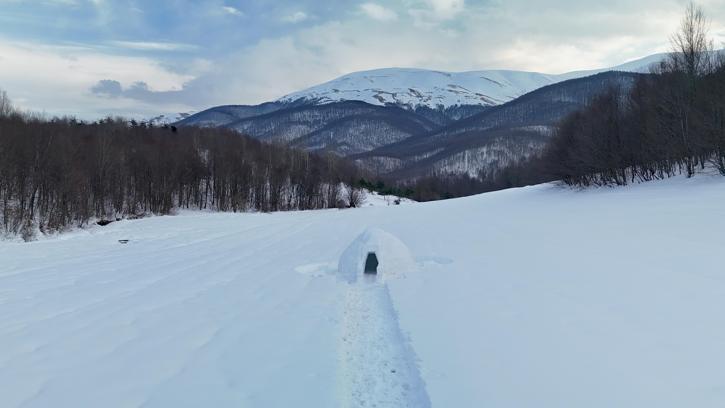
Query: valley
405,124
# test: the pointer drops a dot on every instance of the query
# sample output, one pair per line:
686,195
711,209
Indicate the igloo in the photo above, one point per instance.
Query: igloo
392,256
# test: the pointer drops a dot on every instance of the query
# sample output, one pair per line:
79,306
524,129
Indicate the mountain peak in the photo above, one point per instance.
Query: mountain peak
414,87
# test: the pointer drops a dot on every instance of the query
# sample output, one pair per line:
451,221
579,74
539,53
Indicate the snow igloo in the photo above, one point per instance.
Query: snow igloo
375,255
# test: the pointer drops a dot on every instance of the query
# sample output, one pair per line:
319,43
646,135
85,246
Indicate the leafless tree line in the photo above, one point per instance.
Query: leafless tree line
59,173
671,122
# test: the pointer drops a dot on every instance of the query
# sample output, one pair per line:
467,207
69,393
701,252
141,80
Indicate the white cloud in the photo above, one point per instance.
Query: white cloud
64,2
560,36
502,38
378,12
57,79
431,13
447,8
153,46
233,11
296,17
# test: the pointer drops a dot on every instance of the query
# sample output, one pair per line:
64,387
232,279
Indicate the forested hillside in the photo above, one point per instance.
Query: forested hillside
58,173
343,128
499,137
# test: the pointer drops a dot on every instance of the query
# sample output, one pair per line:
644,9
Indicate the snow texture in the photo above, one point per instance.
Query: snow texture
539,296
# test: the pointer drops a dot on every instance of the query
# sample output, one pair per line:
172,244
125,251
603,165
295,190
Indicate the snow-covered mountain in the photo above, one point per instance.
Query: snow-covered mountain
495,138
167,119
414,87
444,122
419,87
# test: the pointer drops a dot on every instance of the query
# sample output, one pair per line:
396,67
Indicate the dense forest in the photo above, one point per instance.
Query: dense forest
61,172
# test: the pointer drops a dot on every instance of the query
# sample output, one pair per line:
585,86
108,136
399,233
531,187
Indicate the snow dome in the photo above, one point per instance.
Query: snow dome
393,257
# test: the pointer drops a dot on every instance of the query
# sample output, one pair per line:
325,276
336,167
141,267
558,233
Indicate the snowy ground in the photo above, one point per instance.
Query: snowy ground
531,297
373,199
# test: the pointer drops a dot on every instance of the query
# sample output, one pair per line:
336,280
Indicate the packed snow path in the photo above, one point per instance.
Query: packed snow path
377,365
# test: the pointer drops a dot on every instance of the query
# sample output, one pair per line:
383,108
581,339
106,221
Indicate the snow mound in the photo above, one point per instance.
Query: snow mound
394,256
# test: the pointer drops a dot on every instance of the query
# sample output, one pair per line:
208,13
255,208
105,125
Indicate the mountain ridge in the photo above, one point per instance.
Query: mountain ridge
407,139
415,87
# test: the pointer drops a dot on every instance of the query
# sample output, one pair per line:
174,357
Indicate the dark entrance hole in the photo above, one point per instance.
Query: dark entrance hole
371,264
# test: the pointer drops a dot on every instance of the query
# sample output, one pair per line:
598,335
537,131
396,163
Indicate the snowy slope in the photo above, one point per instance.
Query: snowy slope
418,87
167,119
414,87
540,296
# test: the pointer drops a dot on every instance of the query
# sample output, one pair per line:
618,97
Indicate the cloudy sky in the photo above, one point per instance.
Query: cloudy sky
92,58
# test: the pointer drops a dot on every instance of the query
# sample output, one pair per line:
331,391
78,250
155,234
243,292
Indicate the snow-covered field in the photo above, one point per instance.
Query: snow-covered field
532,297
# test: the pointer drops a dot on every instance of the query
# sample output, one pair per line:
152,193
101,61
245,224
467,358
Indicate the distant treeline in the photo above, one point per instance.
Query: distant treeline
445,186
58,173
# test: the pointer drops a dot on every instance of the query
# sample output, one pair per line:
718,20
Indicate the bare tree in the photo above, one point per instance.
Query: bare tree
6,106
692,57
355,196
671,121
692,49
58,173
